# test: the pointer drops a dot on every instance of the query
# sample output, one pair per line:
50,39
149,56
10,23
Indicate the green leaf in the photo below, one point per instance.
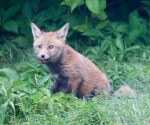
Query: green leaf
102,4
105,44
101,15
113,25
35,3
46,91
93,32
146,69
93,6
132,73
3,79
72,21
134,13
11,25
43,80
143,29
72,3
4,106
4,91
58,95
122,28
134,20
20,84
115,63
119,43
135,47
81,27
113,51
60,10
12,105
21,41
146,2
14,96
36,98
1,118
11,74
39,16
134,34
102,24
27,10
55,13
11,11
29,89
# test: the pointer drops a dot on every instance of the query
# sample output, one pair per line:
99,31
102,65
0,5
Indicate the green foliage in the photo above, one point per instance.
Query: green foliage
93,33
16,19
121,38
93,6
90,19
72,3
26,86
147,4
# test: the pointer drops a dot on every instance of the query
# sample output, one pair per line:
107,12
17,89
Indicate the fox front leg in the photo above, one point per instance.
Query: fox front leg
55,87
73,85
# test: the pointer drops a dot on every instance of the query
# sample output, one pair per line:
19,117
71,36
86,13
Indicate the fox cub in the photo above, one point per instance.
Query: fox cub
72,72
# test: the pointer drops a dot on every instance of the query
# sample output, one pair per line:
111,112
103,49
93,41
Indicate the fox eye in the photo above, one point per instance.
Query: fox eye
39,46
50,46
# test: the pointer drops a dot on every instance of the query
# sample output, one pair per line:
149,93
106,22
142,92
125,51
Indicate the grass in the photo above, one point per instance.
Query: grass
110,112
25,97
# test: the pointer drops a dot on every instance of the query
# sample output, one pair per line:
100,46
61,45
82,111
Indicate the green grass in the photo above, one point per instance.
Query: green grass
113,111
25,97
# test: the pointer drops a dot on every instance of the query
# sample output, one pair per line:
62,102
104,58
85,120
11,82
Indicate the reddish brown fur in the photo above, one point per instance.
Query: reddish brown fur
83,76
125,90
73,73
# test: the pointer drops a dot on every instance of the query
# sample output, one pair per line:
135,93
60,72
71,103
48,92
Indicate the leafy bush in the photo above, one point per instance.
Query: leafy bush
88,20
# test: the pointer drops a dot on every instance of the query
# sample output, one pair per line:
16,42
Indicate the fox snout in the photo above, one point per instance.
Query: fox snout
43,57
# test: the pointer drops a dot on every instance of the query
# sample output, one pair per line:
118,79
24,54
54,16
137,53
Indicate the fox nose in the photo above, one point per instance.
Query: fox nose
42,55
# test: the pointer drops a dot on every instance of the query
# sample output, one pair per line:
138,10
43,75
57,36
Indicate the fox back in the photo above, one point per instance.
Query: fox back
72,72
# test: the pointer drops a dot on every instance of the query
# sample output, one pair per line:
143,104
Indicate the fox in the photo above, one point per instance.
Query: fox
125,90
72,71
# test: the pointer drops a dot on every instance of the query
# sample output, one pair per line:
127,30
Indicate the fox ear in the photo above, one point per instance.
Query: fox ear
62,33
35,31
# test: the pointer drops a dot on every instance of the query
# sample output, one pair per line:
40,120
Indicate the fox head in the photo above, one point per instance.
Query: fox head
48,47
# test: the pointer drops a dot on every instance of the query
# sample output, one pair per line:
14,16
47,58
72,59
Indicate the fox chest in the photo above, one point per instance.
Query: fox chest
59,74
